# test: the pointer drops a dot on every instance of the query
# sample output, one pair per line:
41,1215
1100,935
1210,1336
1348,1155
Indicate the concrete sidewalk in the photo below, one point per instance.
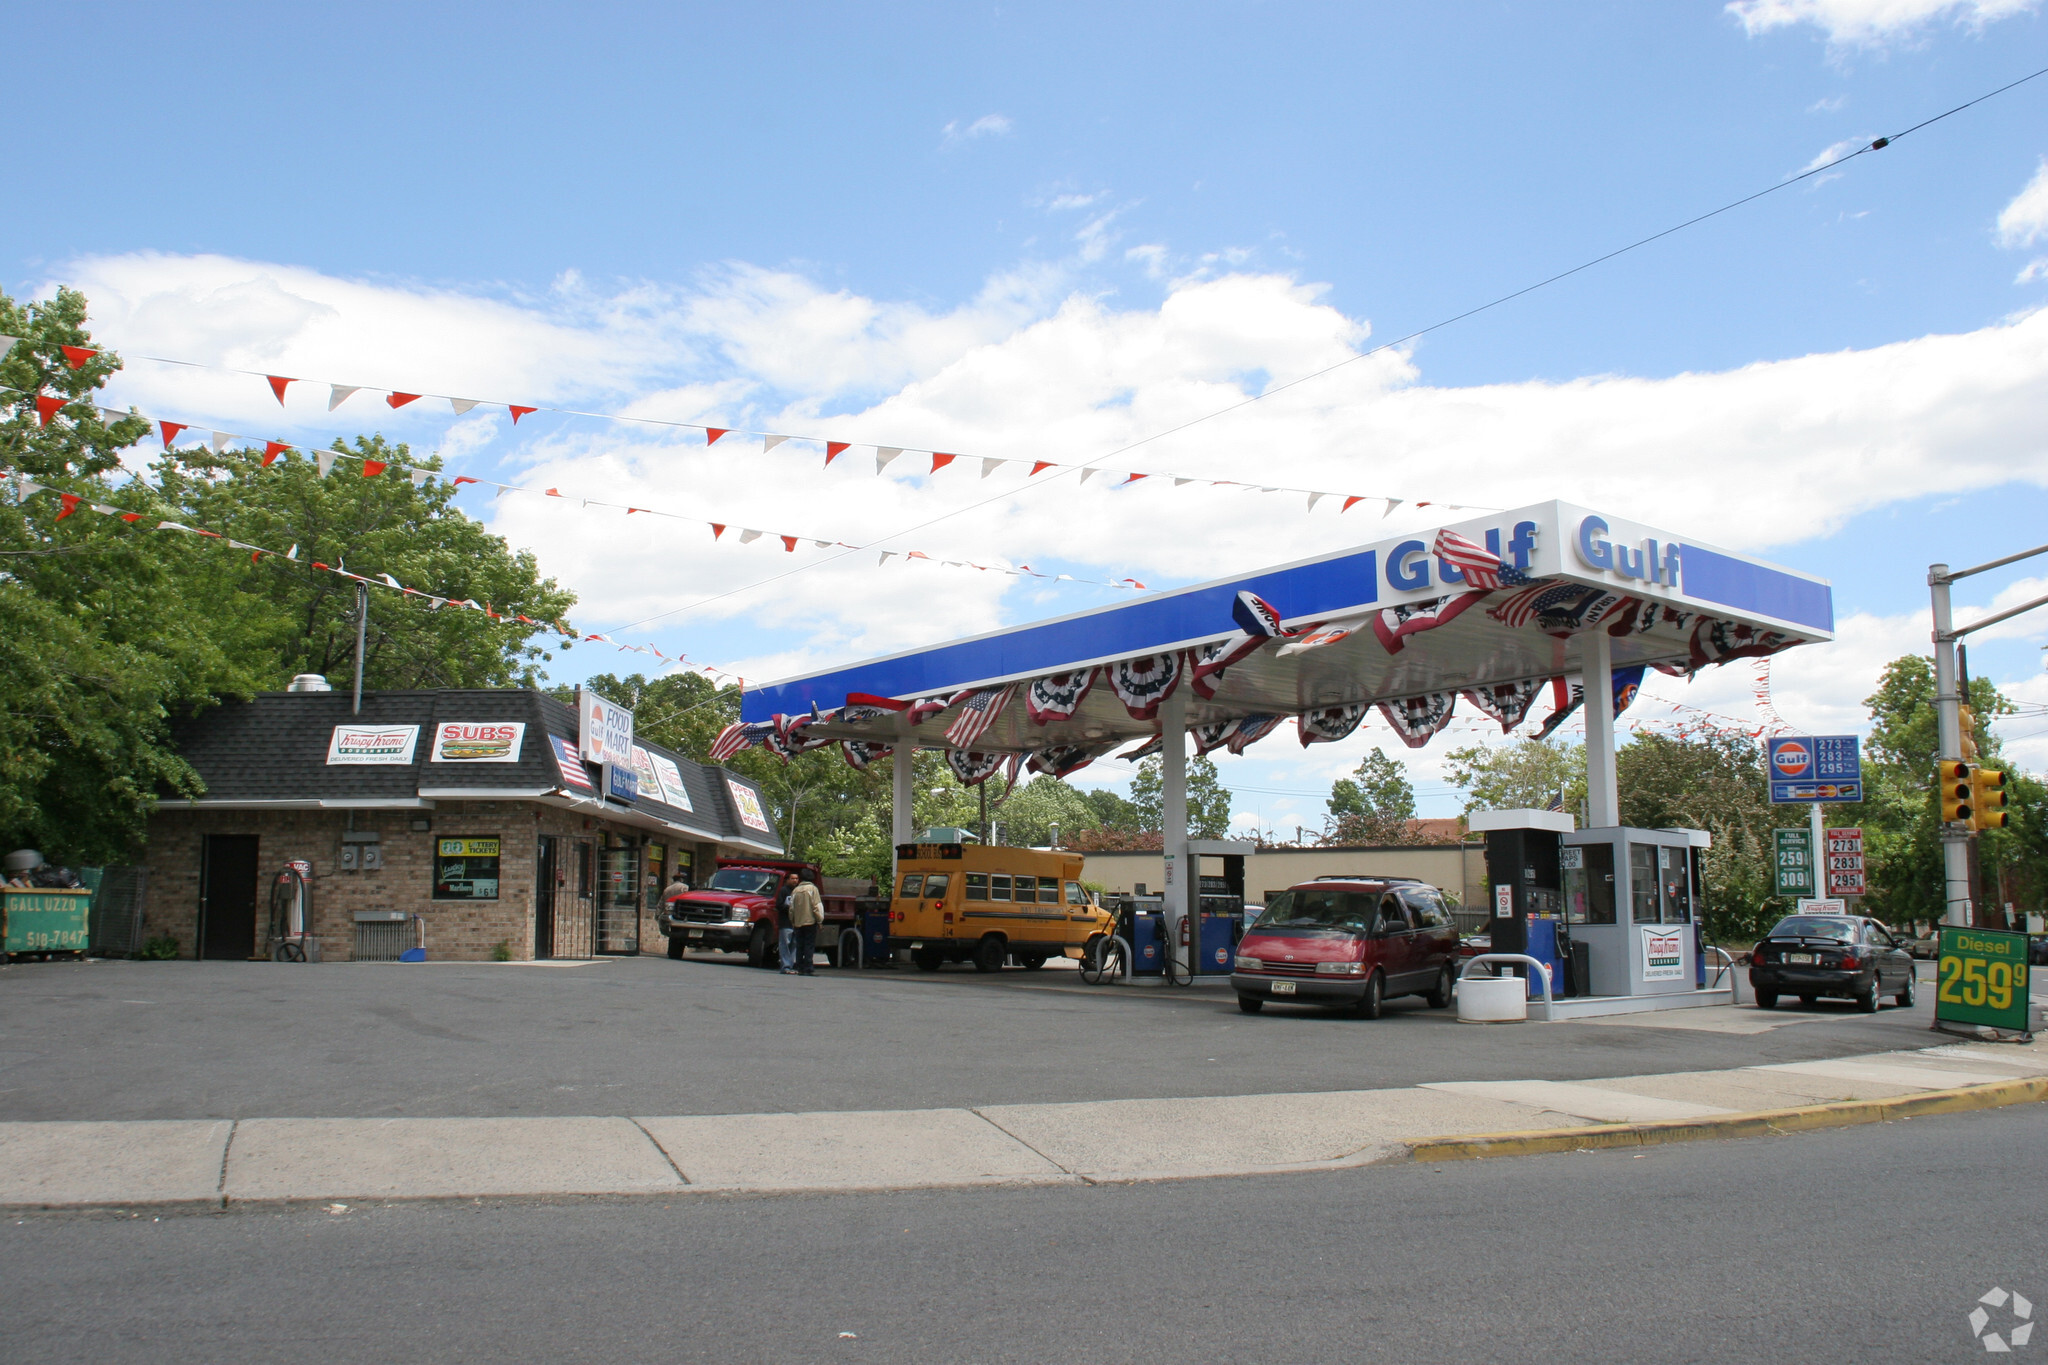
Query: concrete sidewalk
212,1163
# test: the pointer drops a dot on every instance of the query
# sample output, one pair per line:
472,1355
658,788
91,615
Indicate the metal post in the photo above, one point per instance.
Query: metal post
1955,843
1173,821
362,634
902,791
1815,840
1603,798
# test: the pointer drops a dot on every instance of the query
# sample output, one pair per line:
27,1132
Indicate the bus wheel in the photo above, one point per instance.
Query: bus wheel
928,959
989,954
1031,962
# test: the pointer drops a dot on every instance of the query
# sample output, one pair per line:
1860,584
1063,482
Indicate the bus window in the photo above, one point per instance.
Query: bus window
1027,889
935,886
1048,891
1074,896
999,888
977,886
912,883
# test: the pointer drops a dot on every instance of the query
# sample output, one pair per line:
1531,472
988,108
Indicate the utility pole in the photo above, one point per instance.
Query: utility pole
362,634
1956,836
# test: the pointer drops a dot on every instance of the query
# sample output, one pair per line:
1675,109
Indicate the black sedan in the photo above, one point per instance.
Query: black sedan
1844,956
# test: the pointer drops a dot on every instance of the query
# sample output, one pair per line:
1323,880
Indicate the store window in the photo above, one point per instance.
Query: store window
466,869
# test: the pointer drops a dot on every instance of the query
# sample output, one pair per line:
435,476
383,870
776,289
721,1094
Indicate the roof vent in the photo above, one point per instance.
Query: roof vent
309,682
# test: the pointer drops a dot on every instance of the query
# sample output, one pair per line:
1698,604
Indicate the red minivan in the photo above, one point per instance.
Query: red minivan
1351,942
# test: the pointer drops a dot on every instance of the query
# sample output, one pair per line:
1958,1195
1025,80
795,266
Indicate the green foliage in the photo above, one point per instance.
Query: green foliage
1029,814
1527,774
1373,805
1208,798
159,948
1113,812
501,951
1716,783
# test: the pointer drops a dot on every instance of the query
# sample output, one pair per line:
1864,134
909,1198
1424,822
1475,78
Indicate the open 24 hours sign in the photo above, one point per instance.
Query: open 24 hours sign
1981,978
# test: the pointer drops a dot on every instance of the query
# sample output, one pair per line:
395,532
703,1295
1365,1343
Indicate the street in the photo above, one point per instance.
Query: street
1870,1242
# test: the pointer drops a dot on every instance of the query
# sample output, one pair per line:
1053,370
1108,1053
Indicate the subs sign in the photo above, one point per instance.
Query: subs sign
1815,768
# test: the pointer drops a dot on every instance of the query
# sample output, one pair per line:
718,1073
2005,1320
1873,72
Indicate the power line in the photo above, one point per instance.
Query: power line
1876,144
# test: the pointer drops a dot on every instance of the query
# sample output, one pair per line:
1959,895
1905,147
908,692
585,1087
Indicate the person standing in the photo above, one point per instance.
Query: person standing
806,913
785,933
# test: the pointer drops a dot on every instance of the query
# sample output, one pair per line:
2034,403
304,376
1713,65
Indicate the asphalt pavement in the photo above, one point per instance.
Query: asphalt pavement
106,1040
1874,1243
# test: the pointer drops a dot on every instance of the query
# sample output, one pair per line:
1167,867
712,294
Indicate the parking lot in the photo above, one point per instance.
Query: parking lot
707,1035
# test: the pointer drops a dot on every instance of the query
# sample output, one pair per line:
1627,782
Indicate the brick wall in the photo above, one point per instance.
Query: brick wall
455,930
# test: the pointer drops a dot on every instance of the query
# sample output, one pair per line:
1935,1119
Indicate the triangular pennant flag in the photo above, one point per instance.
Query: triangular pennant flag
277,386
1179,482
1088,474
834,448
886,555
131,516
399,400
392,581
271,450
989,467
47,405
70,501
1315,498
339,393
788,543
105,510
1392,503
554,492
711,434
8,346
461,479
78,356
418,477
461,405
518,412
503,489
769,443
221,441
940,461
1351,502
372,468
1039,467
1133,478
717,529
325,459
749,537
884,454
822,544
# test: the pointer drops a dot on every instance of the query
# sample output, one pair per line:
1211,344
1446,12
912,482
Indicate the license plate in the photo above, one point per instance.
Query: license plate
1806,958
1283,988
696,933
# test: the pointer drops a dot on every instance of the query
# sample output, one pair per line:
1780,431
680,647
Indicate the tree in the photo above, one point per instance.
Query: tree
1112,812
1029,814
1373,805
1528,774
1208,798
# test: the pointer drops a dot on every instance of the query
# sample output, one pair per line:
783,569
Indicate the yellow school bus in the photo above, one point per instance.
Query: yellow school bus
967,903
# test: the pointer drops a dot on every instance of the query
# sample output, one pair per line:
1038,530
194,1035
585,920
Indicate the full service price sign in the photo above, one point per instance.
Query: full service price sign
1792,862
1816,768
1844,865
1982,979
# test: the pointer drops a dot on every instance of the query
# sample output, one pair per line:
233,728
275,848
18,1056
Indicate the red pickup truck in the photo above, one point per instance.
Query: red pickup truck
735,911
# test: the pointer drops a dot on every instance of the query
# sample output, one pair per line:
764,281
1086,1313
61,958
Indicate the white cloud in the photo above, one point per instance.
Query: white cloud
1834,152
1871,23
2024,221
988,125
1066,202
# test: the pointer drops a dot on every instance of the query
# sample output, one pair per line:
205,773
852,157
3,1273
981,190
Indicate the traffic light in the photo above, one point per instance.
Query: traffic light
1987,799
1966,721
1954,784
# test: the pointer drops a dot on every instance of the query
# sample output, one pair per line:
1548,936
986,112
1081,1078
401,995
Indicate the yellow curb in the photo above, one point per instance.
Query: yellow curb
1476,1146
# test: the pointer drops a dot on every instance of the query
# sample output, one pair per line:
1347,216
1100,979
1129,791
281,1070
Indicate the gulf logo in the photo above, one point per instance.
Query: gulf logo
1791,758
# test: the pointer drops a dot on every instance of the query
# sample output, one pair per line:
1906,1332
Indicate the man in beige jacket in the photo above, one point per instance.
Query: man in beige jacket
806,913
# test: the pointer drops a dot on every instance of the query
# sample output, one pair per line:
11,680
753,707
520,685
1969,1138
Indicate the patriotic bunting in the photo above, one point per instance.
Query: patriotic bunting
1718,642
1507,703
973,769
1328,724
861,752
1057,697
1562,704
1062,759
1250,730
924,708
1142,683
1394,625
1417,719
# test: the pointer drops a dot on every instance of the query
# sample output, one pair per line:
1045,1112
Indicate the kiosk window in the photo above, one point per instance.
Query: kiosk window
1588,883
935,886
1074,896
466,869
977,886
913,882
1671,864
999,887
1642,884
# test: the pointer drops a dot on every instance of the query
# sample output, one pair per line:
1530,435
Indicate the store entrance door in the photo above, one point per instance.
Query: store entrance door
227,897
546,882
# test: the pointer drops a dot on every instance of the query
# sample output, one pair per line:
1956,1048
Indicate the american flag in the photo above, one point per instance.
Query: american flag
978,711
730,741
1481,566
1527,604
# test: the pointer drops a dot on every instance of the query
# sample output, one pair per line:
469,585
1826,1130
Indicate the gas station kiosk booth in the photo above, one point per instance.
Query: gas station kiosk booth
1517,615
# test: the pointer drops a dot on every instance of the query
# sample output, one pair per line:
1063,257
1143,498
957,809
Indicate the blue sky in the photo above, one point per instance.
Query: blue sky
1018,230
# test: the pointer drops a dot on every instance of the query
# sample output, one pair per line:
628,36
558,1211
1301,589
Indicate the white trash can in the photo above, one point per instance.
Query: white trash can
1493,1000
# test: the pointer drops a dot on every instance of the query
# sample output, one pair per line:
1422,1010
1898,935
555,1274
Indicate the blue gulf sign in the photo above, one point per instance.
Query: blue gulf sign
1815,768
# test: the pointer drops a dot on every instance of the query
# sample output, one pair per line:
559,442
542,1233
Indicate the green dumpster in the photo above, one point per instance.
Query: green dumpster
37,921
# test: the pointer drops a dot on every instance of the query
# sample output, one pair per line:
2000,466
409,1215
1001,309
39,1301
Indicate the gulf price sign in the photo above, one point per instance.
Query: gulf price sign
1805,768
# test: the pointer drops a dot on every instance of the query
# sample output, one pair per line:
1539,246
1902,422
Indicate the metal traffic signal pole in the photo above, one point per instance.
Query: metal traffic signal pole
1957,908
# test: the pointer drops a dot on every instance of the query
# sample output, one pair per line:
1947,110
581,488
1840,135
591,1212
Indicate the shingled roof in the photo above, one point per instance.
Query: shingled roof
274,751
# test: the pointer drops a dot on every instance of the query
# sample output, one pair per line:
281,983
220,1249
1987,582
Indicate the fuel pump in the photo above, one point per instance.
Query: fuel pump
1527,898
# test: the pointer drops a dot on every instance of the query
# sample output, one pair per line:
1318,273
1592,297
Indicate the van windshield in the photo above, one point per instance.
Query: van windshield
751,881
1317,908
